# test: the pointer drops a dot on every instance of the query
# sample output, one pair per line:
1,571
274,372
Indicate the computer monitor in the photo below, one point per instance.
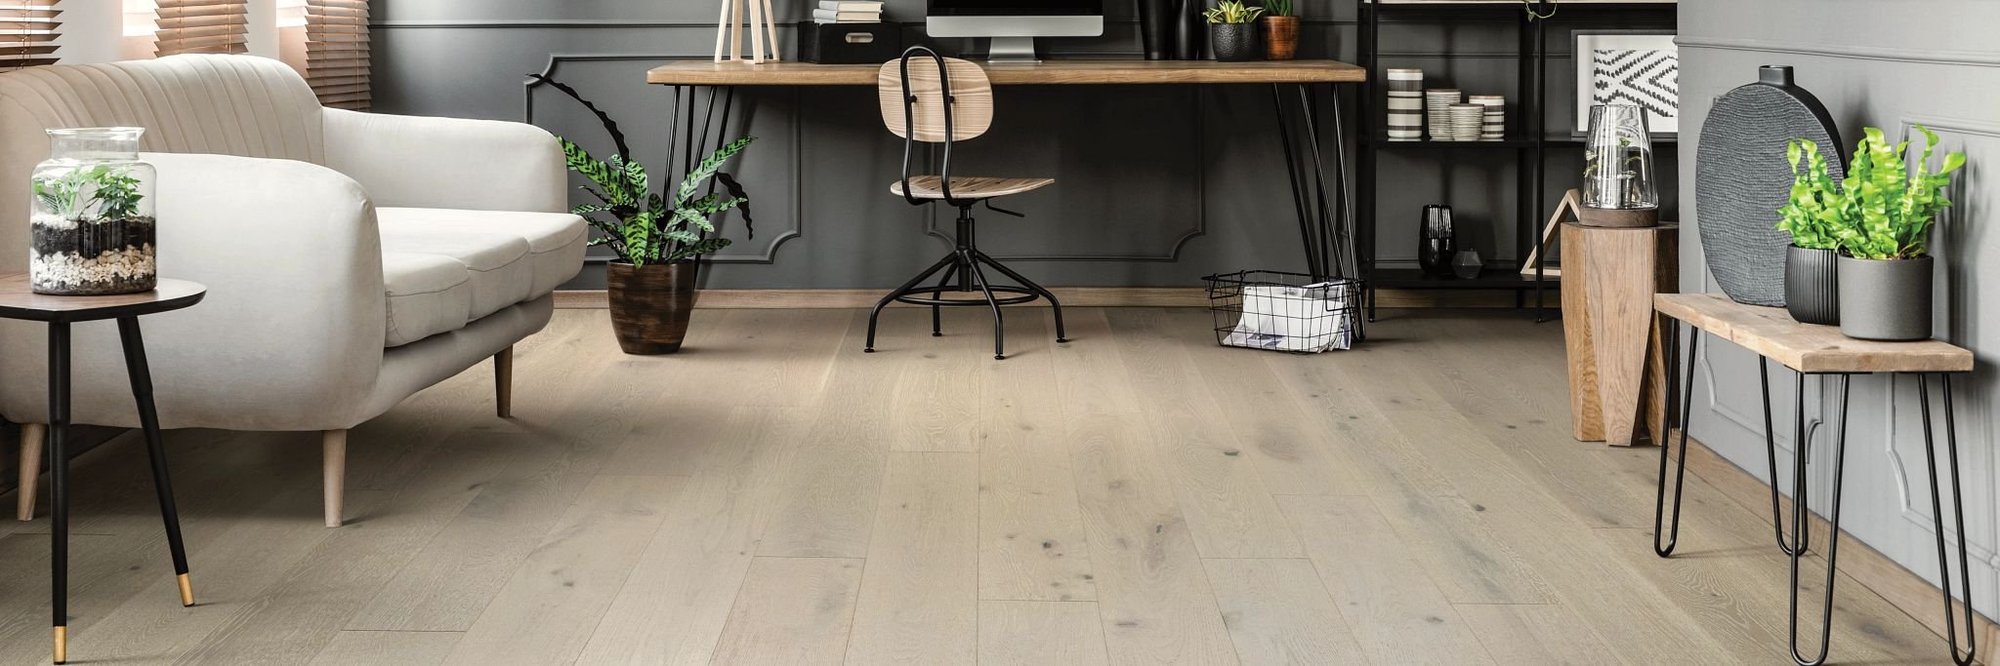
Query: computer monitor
1014,24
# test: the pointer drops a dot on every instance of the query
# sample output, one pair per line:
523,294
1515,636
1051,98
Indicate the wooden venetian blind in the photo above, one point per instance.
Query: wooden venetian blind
28,33
337,59
201,26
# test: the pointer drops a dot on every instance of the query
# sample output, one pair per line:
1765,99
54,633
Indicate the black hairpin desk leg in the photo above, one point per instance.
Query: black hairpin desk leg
1667,534
1802,514
1958,516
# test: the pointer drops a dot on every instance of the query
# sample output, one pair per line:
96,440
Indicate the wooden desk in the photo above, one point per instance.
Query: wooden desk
1822,351
1052,72
1324,212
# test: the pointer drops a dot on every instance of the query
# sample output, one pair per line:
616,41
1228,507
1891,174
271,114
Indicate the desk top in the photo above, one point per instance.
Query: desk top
1048,72
19,301
1807,347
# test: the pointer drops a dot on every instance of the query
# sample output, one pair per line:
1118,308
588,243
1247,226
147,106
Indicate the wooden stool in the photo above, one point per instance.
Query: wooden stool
18,301
1616,366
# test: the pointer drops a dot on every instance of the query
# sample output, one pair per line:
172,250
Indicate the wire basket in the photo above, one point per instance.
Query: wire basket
1289,312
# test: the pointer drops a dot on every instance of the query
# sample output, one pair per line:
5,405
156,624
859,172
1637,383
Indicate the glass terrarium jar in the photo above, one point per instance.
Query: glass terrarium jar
1620,188
92,230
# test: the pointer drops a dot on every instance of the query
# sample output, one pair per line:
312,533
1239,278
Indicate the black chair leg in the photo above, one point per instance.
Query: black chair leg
900,291
141,377
937,321
999,325
1054,304
59,486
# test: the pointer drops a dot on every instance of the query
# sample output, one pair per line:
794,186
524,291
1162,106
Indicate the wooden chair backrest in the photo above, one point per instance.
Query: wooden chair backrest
971,94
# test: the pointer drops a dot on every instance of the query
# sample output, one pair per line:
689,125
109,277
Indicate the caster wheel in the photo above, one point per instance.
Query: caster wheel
869,350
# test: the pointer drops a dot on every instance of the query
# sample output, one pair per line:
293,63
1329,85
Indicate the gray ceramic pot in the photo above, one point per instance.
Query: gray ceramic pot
1812,292
1885,299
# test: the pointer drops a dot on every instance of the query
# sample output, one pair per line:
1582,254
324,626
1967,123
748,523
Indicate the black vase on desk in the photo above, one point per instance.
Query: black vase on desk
1190,29
1156,28
1437,243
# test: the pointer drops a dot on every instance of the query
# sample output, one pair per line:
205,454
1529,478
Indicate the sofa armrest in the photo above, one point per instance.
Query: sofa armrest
290,334
420,162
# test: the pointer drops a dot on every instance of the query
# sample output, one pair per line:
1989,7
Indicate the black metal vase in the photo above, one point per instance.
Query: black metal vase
1190,29
1156,28
1812,286
1437,241
1235,42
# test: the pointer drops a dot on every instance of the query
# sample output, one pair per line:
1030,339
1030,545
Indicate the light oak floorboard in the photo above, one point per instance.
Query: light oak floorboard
1031,633
919,592
792,611
744,502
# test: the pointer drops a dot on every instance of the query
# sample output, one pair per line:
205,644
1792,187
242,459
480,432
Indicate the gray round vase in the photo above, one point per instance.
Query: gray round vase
1812,292
1885,299
1234,42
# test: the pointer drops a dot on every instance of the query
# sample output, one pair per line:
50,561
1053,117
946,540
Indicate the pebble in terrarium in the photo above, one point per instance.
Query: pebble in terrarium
92,229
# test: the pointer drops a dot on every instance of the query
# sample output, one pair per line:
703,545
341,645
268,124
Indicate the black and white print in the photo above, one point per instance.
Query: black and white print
1641,69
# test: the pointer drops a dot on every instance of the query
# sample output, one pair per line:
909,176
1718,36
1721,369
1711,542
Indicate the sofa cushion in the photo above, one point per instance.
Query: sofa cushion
428,294
447,268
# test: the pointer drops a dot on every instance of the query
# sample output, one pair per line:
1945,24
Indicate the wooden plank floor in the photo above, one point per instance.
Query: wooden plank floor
773,495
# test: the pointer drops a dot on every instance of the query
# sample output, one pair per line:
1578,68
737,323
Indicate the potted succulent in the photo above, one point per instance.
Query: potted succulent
1281,30
1880,216
1813,216
659,237
1232,30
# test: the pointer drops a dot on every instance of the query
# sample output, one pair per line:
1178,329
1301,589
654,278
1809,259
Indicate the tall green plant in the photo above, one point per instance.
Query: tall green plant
646,227
1883,210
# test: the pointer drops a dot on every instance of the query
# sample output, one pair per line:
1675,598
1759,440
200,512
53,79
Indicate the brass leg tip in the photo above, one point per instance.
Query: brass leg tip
187,590
62,645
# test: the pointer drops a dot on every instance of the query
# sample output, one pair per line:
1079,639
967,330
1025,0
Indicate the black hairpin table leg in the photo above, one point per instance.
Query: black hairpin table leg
1958,514
1802,514
1667,534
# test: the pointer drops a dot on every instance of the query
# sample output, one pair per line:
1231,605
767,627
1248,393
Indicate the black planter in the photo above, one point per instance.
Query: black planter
1234,42
1885,299
1156,28
1812,292
1190,29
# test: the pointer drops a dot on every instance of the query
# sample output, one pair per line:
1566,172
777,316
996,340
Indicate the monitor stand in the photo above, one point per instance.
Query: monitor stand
1012,51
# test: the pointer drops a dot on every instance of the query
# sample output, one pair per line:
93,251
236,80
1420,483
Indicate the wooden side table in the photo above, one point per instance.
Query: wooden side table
1616,365
18,301
1818,351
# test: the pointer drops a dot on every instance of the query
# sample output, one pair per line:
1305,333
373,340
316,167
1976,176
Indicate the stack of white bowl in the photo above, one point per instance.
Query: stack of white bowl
1406,104
1493,127
1465,121
1437,104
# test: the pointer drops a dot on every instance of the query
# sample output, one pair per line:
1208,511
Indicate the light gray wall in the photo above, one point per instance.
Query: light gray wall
1922,62
1157,186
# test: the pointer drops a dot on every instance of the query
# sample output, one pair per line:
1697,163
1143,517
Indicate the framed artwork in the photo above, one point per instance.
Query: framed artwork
1640,67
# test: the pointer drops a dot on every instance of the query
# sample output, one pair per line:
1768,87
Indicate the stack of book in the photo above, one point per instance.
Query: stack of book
848,11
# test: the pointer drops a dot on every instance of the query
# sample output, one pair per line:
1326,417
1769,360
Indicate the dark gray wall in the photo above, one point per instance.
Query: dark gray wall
1157,185
1920,64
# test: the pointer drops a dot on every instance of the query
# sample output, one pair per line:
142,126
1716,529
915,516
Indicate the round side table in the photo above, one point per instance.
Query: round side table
18,301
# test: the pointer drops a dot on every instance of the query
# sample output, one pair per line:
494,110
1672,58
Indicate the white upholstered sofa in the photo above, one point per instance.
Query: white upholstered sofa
352,259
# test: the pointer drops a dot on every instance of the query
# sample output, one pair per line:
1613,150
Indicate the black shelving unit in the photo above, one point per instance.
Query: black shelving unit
1528,136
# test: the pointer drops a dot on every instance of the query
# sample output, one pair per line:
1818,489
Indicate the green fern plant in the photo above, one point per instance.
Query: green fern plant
1882,210
1232,11
646,227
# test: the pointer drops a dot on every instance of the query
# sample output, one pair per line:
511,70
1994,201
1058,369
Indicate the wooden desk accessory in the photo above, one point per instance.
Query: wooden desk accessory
763,31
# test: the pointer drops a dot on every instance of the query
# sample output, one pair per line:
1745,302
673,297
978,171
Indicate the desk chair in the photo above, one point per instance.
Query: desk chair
932,99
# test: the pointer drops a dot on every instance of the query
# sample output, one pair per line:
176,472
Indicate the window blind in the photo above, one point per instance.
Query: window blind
337,57
28,31
201,26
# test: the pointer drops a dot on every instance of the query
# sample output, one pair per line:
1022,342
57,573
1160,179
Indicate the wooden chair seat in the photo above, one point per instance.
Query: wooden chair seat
970,187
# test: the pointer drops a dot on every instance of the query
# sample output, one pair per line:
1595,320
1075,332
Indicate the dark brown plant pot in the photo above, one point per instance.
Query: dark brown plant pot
1281,37
650,305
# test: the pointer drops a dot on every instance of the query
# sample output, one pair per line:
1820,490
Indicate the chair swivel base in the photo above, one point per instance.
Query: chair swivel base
965,265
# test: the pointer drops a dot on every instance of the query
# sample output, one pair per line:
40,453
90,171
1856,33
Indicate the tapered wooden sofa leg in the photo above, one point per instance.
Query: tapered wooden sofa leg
503,382
31,469
333,473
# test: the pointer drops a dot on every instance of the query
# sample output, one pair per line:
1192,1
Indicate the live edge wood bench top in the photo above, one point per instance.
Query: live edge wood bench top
1807,347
